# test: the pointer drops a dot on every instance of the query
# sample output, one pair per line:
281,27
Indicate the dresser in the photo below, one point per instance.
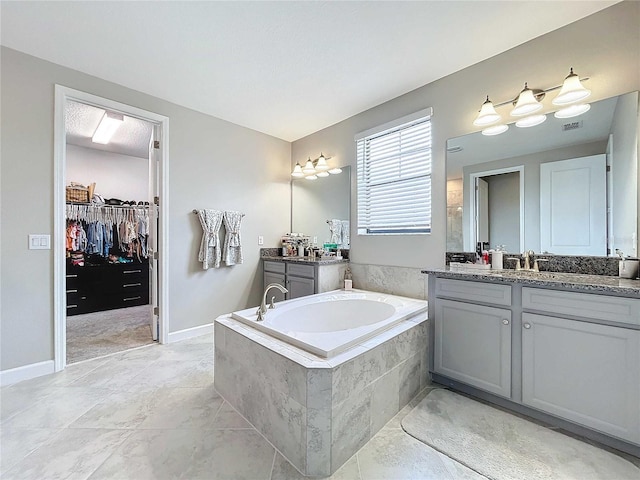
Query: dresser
105,287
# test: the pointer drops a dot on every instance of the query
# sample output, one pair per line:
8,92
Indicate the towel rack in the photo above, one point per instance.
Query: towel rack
196,212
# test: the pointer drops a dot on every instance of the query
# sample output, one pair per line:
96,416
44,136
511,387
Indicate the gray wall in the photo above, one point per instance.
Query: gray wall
604,46
209,159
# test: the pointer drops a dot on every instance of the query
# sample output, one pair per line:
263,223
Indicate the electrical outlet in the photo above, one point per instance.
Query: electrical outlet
315,240
260,240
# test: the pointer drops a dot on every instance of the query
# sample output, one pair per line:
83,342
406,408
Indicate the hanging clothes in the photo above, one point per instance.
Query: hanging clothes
210,253
232,252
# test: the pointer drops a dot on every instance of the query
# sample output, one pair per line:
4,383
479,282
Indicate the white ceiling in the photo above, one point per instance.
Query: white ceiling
132,137
284,68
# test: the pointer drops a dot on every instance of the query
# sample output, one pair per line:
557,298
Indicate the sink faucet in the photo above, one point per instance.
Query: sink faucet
262,311
527,259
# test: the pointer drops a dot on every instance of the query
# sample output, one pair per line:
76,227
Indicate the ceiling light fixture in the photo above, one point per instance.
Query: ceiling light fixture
529,101
313,169
107,127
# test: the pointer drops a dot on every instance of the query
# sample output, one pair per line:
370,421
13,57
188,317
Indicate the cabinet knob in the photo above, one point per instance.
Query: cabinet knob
505,321
526,325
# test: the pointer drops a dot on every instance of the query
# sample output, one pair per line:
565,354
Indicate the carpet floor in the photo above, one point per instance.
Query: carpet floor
97,334
503,446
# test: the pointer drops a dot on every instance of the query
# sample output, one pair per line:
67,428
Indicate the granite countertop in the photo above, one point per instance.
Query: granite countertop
571,281
305,260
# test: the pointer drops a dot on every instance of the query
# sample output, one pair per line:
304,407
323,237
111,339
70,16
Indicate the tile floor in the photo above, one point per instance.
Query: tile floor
152,413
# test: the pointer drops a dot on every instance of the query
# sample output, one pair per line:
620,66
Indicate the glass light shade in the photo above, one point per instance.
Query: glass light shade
495,130
311,177
526,103
531,121
487,115
321,164
571,91
322,174
309,168
297,171
572,111
107,127
335,171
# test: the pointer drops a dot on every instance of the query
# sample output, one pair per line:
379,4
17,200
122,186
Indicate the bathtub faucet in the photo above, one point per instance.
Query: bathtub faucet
262,311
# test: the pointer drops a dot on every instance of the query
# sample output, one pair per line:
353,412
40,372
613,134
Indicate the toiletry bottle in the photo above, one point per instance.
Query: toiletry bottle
348,282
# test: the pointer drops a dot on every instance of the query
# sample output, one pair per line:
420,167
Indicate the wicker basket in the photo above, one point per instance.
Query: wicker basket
77,194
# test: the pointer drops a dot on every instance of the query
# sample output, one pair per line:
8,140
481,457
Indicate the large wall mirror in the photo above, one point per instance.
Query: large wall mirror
314,202
567,186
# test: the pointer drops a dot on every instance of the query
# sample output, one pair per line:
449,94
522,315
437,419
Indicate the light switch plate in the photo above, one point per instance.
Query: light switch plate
39,242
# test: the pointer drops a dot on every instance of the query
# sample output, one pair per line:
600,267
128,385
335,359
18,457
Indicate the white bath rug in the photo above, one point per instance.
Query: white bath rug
502,446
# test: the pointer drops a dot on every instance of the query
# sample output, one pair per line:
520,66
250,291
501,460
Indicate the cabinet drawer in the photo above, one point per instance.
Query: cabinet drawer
586,305
474,291
301,270
276,267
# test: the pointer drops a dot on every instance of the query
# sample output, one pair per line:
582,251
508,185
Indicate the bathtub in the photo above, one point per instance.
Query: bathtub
330,323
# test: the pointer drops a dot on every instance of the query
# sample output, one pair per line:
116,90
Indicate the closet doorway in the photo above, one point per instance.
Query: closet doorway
109,219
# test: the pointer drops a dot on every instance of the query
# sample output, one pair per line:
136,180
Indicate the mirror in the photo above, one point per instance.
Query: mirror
313,202
528,189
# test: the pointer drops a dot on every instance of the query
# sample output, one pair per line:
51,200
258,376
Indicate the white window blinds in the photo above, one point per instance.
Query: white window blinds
394,178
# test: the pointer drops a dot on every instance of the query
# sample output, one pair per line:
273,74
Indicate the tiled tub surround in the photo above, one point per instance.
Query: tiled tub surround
319,412
580,264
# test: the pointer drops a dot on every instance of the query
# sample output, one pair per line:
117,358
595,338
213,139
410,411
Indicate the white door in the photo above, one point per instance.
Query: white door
573,206
482,210
154,277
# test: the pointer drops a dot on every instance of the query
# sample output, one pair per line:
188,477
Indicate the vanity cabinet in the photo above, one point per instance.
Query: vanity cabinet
577,369
302,279
562,356
473,345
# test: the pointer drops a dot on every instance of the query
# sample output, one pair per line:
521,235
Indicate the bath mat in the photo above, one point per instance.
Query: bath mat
502,446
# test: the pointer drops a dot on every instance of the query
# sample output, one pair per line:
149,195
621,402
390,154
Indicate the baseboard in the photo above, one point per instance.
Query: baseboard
191,332
26,372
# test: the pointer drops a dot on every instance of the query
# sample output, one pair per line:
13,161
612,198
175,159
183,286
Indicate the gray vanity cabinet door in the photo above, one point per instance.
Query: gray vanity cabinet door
473,345
584,372
271,277
300,286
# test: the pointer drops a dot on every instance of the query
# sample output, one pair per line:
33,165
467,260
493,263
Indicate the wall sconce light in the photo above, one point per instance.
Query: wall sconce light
315,168
529,101
107,127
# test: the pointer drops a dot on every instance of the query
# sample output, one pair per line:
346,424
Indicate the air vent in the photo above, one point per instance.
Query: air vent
571,126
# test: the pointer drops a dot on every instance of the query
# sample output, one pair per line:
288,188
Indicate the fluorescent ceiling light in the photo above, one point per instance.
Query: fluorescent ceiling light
107,127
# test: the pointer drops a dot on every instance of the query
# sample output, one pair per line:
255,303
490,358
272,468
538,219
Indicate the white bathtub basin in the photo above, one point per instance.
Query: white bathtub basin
329,323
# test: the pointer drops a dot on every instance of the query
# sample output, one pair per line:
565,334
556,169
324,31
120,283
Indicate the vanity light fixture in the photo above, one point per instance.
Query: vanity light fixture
313,169
487,115
572,110
107,127
572,90
527,102
531,121
309,169
297,171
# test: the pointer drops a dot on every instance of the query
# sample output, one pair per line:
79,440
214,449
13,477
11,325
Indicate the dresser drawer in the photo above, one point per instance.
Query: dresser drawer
301,270
585,305
474,291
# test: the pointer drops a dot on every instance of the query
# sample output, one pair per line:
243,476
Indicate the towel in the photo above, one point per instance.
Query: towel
210,253
345,234
232,252
335,227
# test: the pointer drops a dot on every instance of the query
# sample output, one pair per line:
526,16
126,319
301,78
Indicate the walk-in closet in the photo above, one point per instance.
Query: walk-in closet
109,232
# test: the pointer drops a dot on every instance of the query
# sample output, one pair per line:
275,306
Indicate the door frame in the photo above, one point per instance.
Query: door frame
62,95
471,194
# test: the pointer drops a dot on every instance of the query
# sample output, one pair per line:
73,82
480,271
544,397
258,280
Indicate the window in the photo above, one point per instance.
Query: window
394,177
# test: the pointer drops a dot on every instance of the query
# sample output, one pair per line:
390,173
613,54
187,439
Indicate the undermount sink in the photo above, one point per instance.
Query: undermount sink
532,274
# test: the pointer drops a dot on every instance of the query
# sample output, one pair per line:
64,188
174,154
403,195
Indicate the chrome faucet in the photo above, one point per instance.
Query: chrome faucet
262,311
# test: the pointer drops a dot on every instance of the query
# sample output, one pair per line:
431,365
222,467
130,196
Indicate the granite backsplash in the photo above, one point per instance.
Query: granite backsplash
277,252
586,265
